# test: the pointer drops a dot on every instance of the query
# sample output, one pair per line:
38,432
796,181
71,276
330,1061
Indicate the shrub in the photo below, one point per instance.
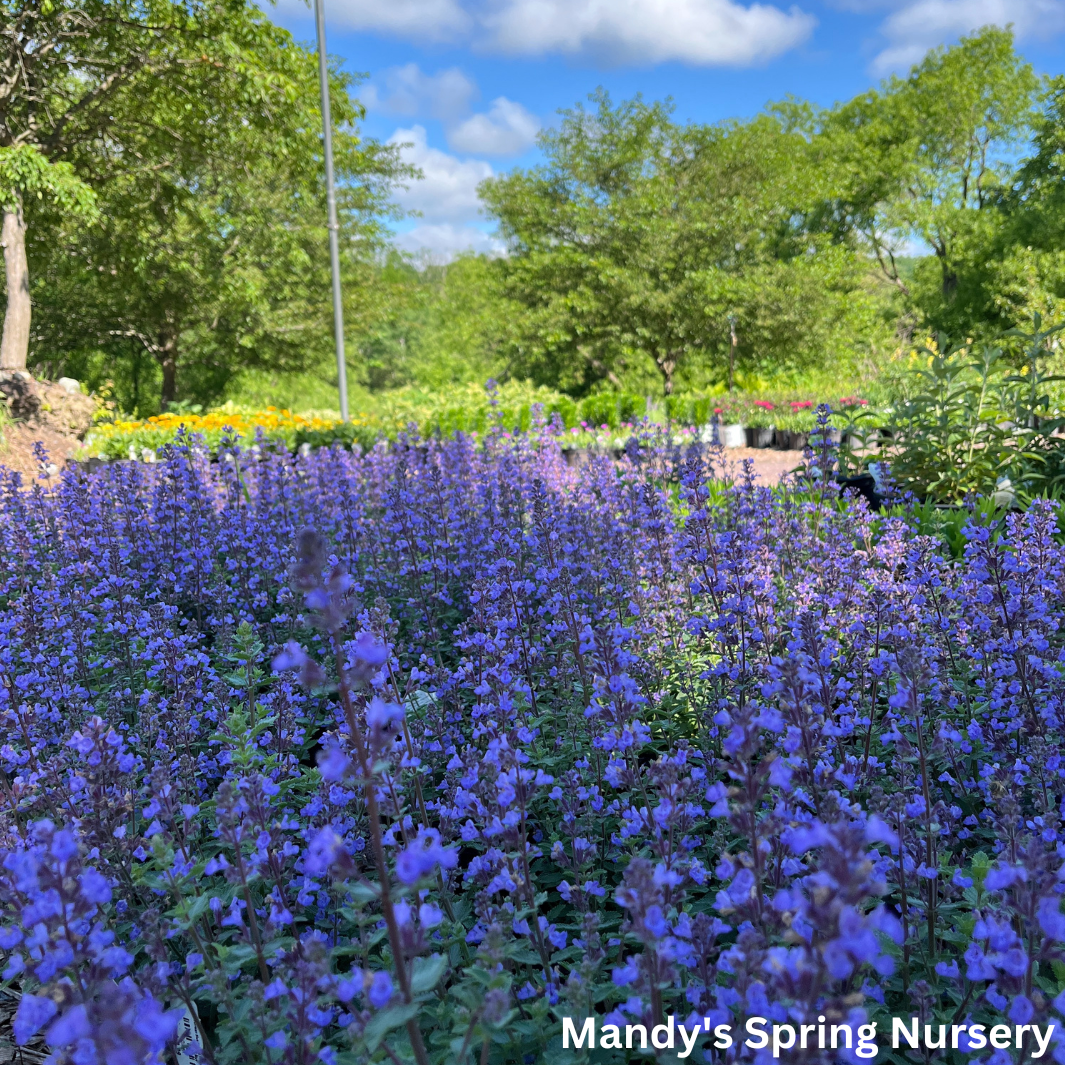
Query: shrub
969,418
612,409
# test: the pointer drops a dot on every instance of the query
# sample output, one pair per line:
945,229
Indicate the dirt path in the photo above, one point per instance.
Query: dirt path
769,465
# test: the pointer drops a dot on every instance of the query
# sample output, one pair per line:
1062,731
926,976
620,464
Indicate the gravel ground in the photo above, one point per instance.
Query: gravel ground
16,452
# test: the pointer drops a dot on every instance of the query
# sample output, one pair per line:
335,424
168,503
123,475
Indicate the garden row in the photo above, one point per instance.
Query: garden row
513,407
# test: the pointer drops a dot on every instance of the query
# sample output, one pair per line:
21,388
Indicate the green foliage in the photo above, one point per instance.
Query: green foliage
947,522
1014,266
433,327
610,408
631,246
927,158
189,267
970,419
637,239
25,172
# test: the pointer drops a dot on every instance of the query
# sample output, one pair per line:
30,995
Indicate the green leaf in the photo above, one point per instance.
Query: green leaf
193,908
386,1021
427,973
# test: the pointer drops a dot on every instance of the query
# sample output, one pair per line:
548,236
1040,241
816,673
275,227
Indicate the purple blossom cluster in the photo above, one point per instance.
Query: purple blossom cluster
406,756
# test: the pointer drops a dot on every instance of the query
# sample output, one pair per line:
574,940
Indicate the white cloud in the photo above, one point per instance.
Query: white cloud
407,90
862,7
915,27
443,241
448,189
701,32
433,20
506,129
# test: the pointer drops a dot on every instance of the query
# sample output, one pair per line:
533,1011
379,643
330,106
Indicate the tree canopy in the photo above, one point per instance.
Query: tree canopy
638,239
199,156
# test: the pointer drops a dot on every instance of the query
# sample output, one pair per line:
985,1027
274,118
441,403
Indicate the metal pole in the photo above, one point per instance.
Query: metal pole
334,227
731,348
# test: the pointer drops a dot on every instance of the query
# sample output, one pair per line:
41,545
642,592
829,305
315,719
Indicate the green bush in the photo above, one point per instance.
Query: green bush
967,419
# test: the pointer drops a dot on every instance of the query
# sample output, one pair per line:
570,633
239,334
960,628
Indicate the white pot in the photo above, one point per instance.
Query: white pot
733,436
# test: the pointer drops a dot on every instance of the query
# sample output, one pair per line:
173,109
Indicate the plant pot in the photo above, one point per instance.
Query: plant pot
782,439
760,435
798,441
863,484
733,435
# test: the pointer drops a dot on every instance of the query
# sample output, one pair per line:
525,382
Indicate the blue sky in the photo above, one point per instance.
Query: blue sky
466,84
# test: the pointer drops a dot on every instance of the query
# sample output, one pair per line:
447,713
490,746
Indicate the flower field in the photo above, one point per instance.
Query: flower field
141,439
405,756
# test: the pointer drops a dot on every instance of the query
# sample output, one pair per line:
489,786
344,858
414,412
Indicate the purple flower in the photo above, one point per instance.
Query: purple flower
429,915
1004,876
333,764
1021,1010
153,1024
34,1011
423,856
292,657
1051,919
72,1026
94,887
380,993
655,921
64,845
323,851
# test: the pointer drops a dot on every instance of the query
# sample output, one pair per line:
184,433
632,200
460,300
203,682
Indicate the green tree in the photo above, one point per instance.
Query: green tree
436,326
64,65
926,159
1020,271
638,238
24,172
210,254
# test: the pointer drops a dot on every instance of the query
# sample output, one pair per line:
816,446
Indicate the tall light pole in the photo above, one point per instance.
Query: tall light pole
331,196
733,341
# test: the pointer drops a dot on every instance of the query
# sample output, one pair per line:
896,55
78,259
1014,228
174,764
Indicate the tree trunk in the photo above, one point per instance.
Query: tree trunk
950,275
667,364
15,345
950,282
168,359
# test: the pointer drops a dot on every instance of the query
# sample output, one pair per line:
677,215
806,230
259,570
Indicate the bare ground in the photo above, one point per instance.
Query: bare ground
17,450
769,464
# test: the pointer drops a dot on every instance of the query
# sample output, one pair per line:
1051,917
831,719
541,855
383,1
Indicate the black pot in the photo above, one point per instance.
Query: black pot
760,436
863,484
798,441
